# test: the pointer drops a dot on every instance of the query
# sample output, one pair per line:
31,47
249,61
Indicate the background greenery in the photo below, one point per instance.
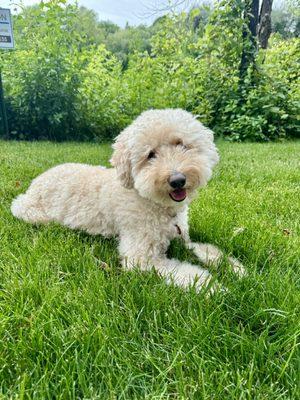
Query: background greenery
74,77
73,330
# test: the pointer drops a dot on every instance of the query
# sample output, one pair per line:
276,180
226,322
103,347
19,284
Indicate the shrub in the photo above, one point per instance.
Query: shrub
42,76
101,97
270,104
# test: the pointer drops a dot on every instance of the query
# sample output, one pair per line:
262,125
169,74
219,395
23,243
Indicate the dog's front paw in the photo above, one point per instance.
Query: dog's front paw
212,256
200,279
214,288
237,267
207,253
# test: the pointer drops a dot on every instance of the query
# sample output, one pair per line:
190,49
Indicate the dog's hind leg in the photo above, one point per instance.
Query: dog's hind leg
27,208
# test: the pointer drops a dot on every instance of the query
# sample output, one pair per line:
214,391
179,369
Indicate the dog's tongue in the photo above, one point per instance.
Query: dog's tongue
178,194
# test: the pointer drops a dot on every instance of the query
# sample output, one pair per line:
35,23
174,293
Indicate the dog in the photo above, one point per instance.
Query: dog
159,161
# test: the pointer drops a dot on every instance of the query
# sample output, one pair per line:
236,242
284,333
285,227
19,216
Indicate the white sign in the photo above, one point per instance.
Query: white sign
6,32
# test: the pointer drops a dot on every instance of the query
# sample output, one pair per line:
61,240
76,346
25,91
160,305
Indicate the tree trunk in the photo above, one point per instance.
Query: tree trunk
249,37
265,27
253,8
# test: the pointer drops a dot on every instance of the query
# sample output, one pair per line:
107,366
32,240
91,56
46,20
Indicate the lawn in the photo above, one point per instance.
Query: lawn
73,330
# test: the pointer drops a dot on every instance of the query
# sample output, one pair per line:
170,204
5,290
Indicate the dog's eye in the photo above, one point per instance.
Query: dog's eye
151,155
178,142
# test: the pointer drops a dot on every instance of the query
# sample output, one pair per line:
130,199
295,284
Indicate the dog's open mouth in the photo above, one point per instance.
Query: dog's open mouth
178,194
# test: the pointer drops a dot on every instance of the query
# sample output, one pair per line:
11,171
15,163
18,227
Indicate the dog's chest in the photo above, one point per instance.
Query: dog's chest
173,227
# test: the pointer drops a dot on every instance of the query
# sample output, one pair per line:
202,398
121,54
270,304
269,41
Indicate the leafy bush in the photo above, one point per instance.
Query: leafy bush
182,70
42,76
101,98
269,107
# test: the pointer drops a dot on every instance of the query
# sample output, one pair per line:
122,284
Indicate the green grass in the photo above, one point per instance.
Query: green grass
71,330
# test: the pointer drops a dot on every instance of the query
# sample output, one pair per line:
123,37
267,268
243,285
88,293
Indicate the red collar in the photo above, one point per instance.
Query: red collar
178,229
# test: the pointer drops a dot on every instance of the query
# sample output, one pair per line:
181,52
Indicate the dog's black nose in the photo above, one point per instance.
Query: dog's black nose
177,180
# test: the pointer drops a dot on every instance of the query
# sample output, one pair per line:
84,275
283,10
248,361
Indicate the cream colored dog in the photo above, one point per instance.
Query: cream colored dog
160,160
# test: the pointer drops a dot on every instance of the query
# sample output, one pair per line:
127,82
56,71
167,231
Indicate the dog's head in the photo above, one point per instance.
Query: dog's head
165,155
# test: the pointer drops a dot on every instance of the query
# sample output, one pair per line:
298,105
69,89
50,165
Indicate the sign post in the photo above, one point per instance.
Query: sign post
6,31
3,108
6,42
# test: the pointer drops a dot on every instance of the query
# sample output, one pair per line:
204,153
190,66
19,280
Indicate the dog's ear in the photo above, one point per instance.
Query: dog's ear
121,160
205,143
210,147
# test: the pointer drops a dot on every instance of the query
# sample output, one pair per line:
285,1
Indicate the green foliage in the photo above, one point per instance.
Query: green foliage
73,77
42,75
286,19
270,107
93,32
125,42
165,77
101,98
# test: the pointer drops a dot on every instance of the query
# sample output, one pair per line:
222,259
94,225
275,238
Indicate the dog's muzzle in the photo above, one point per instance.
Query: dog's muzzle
177,182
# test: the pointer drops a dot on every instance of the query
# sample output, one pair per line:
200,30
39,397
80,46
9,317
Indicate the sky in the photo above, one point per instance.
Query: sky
134,12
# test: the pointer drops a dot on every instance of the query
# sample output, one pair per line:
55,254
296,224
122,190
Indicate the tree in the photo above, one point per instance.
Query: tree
257,30
126,41
286,20
265,25
249,37
91,30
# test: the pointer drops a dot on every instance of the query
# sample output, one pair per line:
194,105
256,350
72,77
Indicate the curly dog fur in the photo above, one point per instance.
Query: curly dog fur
160,161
